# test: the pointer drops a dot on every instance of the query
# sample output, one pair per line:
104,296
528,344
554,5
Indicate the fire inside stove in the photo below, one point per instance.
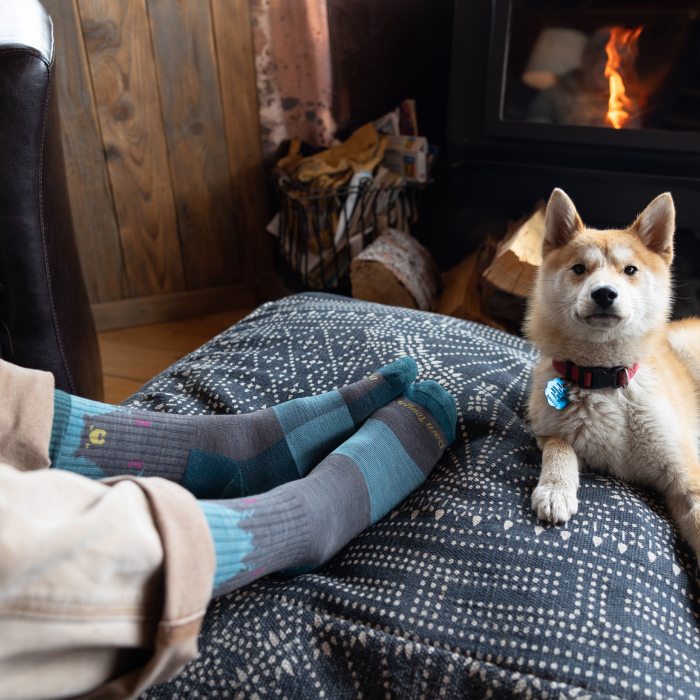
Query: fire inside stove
622,66
621,51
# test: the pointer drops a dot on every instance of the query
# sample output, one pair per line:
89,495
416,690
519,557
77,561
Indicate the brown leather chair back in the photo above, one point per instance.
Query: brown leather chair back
45,318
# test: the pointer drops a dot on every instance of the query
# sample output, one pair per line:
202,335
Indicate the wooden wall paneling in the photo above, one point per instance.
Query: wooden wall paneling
239,96
183,41
120,55
94,220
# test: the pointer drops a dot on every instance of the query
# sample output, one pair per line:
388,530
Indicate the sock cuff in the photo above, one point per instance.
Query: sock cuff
231,543
254,536
62,404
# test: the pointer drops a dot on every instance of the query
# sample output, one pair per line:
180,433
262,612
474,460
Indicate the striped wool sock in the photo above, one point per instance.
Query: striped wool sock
302,524
218,456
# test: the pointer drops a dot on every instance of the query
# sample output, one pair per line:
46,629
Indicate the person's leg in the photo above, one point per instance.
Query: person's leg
302,524
221,456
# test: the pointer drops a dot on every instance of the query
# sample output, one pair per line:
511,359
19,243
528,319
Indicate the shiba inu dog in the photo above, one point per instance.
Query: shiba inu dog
616,389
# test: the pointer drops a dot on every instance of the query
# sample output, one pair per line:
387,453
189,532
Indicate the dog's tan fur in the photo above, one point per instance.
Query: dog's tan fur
646,433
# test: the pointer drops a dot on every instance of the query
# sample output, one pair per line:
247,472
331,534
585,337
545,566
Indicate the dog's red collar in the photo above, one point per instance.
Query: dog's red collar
596,377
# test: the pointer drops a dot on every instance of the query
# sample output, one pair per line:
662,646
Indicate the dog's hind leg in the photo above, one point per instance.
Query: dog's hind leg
683,499
554,498
684,337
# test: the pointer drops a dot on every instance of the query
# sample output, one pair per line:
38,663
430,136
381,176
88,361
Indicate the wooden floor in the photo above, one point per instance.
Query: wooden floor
132,356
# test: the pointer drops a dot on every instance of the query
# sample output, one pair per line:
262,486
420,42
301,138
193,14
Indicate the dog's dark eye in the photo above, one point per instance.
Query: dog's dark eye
578,269
630,270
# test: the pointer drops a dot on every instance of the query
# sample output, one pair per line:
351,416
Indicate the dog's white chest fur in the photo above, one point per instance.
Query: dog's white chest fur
625,432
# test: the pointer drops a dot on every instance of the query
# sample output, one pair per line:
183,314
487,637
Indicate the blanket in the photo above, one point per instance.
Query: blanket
460,591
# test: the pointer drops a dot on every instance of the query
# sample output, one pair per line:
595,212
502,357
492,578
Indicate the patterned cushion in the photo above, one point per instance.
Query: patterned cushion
460,592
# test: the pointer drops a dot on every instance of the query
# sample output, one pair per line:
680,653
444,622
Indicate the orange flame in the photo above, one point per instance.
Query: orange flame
621,48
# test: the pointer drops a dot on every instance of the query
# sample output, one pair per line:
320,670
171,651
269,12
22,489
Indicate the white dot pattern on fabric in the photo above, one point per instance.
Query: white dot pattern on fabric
460,591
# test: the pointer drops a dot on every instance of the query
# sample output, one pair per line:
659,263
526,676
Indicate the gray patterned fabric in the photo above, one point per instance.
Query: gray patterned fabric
460,592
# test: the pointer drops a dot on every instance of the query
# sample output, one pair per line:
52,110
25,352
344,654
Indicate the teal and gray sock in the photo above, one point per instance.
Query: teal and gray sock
222,456
302,524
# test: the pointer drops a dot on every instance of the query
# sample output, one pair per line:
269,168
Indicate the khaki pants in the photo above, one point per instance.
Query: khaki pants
103,584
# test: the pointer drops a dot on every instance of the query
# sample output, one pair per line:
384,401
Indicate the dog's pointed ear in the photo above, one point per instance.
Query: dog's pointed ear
656,226
561,220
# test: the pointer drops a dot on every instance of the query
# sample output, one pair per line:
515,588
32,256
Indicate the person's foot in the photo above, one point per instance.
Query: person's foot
221,456
302,524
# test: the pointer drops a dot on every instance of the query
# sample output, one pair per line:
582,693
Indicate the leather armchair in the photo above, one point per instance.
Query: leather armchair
45,318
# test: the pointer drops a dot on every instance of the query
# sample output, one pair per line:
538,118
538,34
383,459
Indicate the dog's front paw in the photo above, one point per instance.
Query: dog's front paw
554,504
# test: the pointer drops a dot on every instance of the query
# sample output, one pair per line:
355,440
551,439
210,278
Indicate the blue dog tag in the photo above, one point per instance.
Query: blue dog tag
557,393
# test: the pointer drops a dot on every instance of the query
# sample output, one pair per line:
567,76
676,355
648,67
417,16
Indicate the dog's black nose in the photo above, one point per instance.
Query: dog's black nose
604,296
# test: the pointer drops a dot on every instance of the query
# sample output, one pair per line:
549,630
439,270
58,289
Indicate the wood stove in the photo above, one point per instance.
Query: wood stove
528,111
624,75
531,90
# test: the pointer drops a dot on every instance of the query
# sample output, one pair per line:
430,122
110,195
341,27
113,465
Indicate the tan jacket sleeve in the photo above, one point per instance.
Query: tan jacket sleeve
26,414
103,584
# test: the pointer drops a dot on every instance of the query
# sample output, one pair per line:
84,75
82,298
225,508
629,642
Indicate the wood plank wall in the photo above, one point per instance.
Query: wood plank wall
162,146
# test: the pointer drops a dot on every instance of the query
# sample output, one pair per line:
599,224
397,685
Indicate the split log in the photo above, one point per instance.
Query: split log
396,270
519,255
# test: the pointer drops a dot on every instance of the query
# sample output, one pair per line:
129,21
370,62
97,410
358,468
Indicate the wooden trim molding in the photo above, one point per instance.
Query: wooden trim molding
172,306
